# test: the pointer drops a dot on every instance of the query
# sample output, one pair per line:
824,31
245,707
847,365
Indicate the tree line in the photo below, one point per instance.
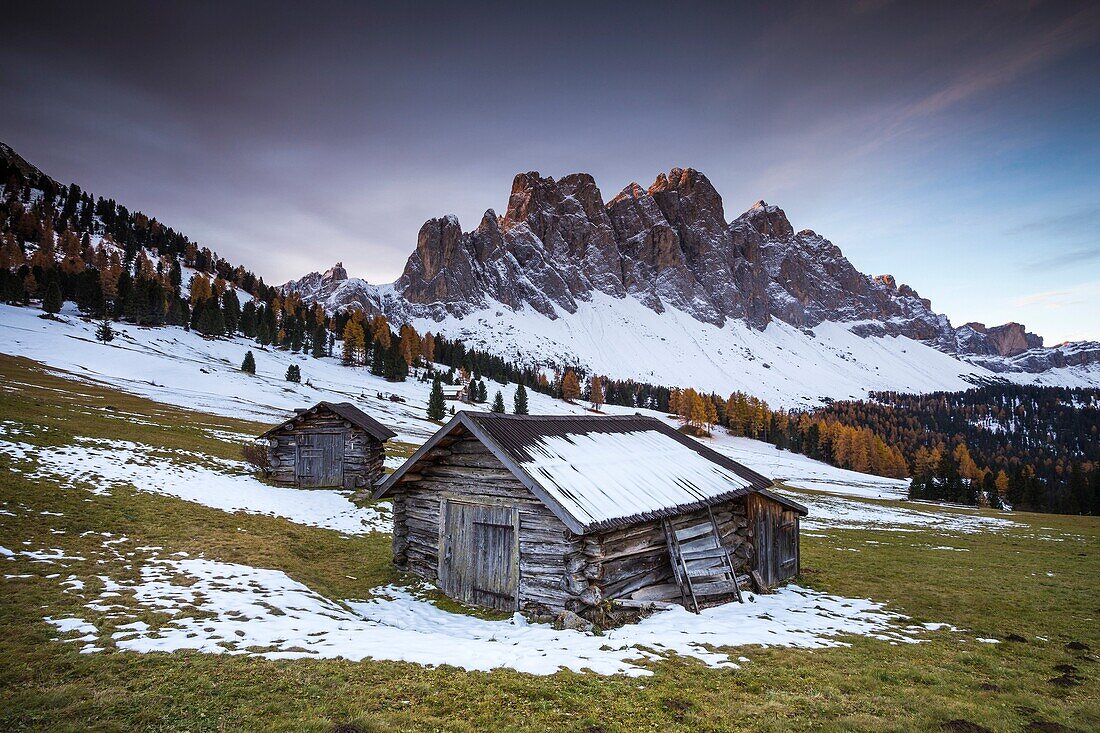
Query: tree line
1035,447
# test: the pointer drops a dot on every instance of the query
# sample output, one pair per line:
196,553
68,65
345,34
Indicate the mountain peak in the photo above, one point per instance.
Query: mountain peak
769,220
887,280
336,273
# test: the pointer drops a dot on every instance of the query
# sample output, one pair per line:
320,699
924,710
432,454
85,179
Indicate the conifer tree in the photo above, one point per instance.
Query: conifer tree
436,403
519,401
427,347
353,343
293,373
396,368
208,319
231,310
378,360
411,344
104,332
247,324
320,336
51,301
711,414
482,393
498,403
248,366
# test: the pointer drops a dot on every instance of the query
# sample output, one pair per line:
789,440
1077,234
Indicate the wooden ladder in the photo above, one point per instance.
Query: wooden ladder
700,563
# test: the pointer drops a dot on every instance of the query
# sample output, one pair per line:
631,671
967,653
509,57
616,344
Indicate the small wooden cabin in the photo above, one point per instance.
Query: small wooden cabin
332,444
454,393
563,512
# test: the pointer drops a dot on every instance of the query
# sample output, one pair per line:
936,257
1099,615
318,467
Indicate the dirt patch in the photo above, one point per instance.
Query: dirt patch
1046,726
356,728
1077,646
958,725
1066,680
989,687
678,708
1065,668
1016,638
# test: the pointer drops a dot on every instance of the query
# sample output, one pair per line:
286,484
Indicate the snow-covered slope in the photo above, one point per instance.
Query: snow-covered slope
183,368
784,365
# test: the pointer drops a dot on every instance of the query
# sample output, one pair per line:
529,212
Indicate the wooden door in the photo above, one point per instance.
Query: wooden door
763,535
786,545
320,459
775,539
479,553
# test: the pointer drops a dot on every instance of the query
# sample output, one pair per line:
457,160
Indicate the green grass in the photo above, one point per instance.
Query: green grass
1000,587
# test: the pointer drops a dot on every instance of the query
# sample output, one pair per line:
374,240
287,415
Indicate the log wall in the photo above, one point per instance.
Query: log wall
776,529
633,562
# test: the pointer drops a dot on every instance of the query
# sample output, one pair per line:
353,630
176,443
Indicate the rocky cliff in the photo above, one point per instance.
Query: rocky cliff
669,246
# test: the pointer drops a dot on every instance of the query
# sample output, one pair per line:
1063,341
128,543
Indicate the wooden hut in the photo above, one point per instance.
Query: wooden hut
454,393
562,512
332,444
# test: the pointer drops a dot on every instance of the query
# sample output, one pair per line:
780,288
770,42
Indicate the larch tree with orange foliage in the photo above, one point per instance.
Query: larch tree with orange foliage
570,386
595,392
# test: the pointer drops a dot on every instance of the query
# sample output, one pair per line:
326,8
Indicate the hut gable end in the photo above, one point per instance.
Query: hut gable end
458,486
329,445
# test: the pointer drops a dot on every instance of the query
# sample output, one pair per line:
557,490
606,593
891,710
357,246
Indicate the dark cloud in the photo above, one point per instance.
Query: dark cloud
287,136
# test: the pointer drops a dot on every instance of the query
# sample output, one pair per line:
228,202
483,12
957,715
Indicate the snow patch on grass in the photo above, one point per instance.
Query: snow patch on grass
101,466
828,512
226,608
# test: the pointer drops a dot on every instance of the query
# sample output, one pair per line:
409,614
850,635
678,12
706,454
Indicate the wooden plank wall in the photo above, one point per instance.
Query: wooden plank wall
557,568
634,561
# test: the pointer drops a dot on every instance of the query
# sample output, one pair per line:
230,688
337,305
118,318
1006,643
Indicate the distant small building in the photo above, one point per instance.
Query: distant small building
454,393
564,512
332,444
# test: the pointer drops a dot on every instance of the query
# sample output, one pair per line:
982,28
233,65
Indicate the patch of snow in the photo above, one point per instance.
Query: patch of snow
828,512
182,368
71,625
238,609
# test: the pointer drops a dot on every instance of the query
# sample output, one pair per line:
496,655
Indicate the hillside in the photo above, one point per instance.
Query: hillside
144,562
140,555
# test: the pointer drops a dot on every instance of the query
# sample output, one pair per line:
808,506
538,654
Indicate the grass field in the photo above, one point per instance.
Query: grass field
1039,583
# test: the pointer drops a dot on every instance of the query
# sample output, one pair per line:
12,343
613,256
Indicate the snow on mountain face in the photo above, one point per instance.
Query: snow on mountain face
659,274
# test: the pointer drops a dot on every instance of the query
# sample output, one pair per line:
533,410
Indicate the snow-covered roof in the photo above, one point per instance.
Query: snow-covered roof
346,410
597,472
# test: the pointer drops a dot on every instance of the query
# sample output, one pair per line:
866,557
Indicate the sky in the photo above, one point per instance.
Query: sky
954,145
